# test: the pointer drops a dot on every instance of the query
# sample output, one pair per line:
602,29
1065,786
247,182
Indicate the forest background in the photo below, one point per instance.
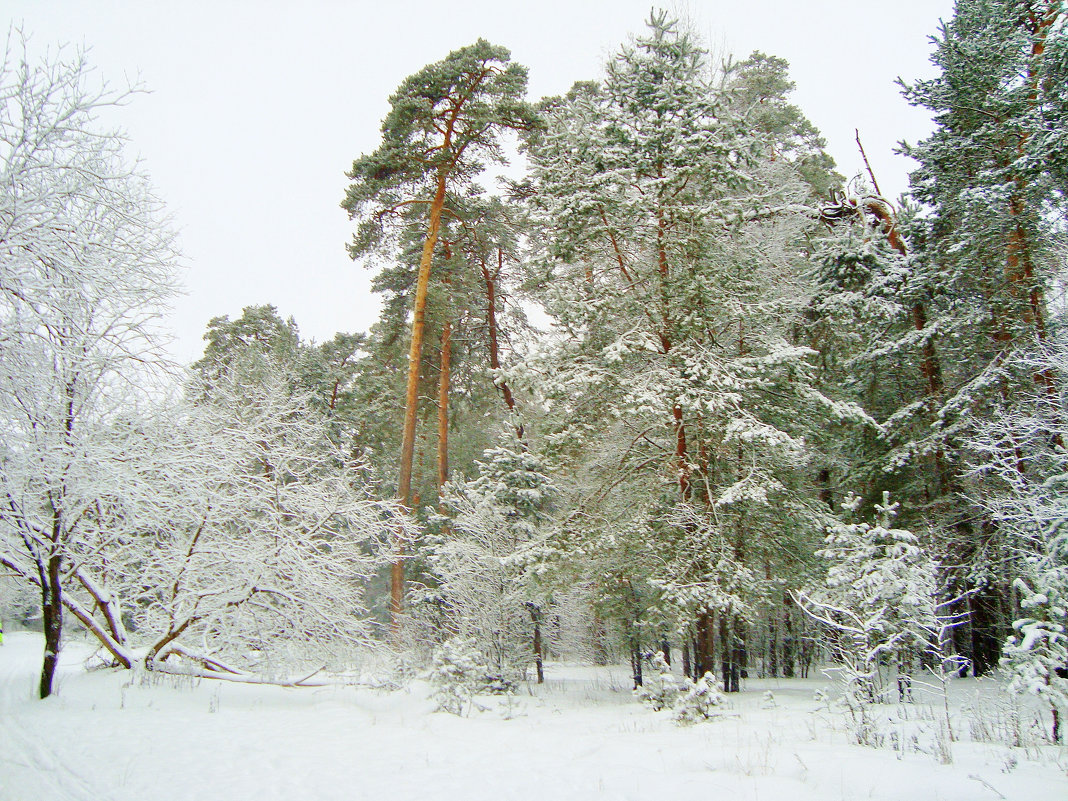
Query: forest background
777,416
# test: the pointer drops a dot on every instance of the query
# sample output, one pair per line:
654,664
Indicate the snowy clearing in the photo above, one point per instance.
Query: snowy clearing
111,735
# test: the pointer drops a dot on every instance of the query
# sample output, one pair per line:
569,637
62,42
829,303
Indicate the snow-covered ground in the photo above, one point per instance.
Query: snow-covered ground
111,735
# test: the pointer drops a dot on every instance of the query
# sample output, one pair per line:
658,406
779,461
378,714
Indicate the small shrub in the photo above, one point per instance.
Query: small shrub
691,701
662,689
700,701
459,673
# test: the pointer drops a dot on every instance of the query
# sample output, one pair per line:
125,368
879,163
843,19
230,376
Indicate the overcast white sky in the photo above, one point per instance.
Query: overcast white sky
258,107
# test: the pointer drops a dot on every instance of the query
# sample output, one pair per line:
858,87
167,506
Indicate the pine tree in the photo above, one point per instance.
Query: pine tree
983,259
443,120
481,557
879,606
1024,471
1036,656
675,216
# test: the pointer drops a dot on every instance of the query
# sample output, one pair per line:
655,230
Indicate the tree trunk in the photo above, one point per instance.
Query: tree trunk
494,339
443,405
704,655
826,493
986,632
411,404
635,655
772,662
732,654
52,619
787,636
539,662
1019,262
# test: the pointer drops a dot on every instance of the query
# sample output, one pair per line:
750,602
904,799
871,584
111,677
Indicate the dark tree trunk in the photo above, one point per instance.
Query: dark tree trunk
826,494
636,658
729,651
771,645
772,661
704,655
490,280
665,649
687,668
808,652
539,662
985,640
52,619
788,641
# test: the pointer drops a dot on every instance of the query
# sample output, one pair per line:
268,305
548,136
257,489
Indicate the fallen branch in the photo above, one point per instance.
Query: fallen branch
207,662
245,678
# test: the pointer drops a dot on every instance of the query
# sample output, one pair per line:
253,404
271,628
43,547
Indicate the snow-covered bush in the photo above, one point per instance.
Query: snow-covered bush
663,688
459,673
1036,657
271,540
242,542
479,554
689,701
700,701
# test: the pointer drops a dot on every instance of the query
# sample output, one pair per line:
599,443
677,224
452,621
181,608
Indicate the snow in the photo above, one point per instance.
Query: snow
112,735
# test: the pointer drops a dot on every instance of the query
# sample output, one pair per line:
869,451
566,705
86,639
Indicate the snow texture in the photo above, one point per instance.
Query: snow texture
116,735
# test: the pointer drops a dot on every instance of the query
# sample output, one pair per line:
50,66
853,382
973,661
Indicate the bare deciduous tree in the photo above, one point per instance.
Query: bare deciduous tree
87,269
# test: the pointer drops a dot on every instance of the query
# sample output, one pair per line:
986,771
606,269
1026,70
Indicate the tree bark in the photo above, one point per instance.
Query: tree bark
635,657
52,620
444,376
411,403
1019,264
490,280
733,653
539,657
704,653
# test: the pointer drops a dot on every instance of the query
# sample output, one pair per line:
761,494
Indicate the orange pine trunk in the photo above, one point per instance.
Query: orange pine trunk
404,483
